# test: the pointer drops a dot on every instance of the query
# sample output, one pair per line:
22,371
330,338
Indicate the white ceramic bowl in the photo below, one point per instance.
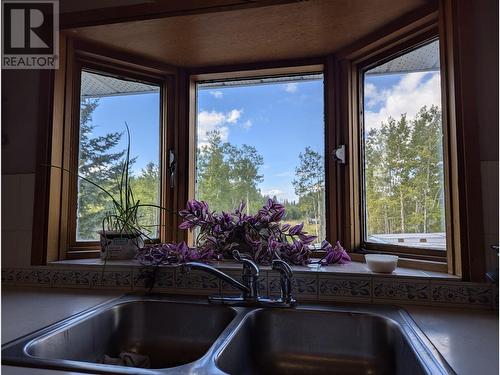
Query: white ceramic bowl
382,263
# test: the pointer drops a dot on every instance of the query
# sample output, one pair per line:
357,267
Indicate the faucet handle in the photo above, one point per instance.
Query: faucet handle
283,268
249,266
286,275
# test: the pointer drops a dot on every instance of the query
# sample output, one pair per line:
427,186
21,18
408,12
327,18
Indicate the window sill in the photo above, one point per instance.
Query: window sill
353,268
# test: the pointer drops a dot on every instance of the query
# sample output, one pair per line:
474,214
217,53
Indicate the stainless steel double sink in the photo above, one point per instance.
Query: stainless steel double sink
183,335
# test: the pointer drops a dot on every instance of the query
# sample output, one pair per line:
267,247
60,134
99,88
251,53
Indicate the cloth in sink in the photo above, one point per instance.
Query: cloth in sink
128,359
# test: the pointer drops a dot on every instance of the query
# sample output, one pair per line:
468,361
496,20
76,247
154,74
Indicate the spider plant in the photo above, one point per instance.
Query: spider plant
123,218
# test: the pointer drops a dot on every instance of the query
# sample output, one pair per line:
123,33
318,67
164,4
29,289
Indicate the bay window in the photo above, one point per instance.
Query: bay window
402,160
263,138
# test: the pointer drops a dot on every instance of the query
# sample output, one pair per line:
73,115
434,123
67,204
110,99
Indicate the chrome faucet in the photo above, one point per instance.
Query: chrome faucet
286,276
249,286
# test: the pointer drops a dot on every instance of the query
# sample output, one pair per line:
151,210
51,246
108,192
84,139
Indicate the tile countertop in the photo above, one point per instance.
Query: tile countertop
354,267
467,339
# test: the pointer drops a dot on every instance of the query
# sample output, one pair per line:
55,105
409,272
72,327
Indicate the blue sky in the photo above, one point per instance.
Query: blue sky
391,95
142,114
279,119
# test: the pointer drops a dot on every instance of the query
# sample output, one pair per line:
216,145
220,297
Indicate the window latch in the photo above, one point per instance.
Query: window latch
338,154
171,167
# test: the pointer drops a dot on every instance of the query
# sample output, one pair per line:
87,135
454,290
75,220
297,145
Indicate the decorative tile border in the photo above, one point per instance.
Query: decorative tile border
196,282
115,279
471,294
38,277
348,288
307,285
71,278
229,290
164,280
407,291
304,285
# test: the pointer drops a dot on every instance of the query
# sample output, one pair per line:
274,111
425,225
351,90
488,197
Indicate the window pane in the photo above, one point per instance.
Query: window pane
403,151
108,103
260,139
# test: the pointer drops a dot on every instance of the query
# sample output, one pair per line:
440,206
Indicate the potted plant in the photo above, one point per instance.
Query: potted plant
122,234
262,236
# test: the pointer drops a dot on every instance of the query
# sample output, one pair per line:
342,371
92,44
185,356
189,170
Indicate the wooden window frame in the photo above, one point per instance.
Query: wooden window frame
265,70
362,67
349,64
79,56
353,65
465,256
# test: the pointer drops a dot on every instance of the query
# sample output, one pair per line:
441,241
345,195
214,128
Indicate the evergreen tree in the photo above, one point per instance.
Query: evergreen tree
228,174
310,188
146,191
404,175
428,171
244,163
97,163
213,174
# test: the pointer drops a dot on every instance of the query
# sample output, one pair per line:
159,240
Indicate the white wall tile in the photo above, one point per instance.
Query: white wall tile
17,219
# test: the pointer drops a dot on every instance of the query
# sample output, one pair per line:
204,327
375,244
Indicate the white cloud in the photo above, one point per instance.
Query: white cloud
217,94
209,121
410,94
291,87
247,125
233,115
273,192
373,96
283,192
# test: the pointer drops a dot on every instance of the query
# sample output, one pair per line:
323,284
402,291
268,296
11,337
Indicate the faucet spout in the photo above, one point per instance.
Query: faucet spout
186,267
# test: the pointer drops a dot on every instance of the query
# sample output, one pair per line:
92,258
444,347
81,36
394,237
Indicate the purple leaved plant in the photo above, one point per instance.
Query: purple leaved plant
261,236
334,254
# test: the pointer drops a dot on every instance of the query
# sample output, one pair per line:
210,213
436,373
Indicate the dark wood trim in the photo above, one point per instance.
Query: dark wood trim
53,229
421,37
112,58
351,64
333,189
42,173
60,232
88,62
162,9
249,71
463,134
405,261
183,149
377,247
83,253
253,70
402,28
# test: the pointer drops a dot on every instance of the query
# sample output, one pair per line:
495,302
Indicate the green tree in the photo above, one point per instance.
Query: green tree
146,191
403,175
244,163
99,165
227,175
427,171
396,162
213,174
309,186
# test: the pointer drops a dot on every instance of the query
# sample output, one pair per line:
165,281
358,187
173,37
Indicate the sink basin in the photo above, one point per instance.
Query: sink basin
318,342
169,334
186,335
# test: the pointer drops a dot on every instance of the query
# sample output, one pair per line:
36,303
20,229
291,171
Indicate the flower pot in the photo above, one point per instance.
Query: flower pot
119,245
